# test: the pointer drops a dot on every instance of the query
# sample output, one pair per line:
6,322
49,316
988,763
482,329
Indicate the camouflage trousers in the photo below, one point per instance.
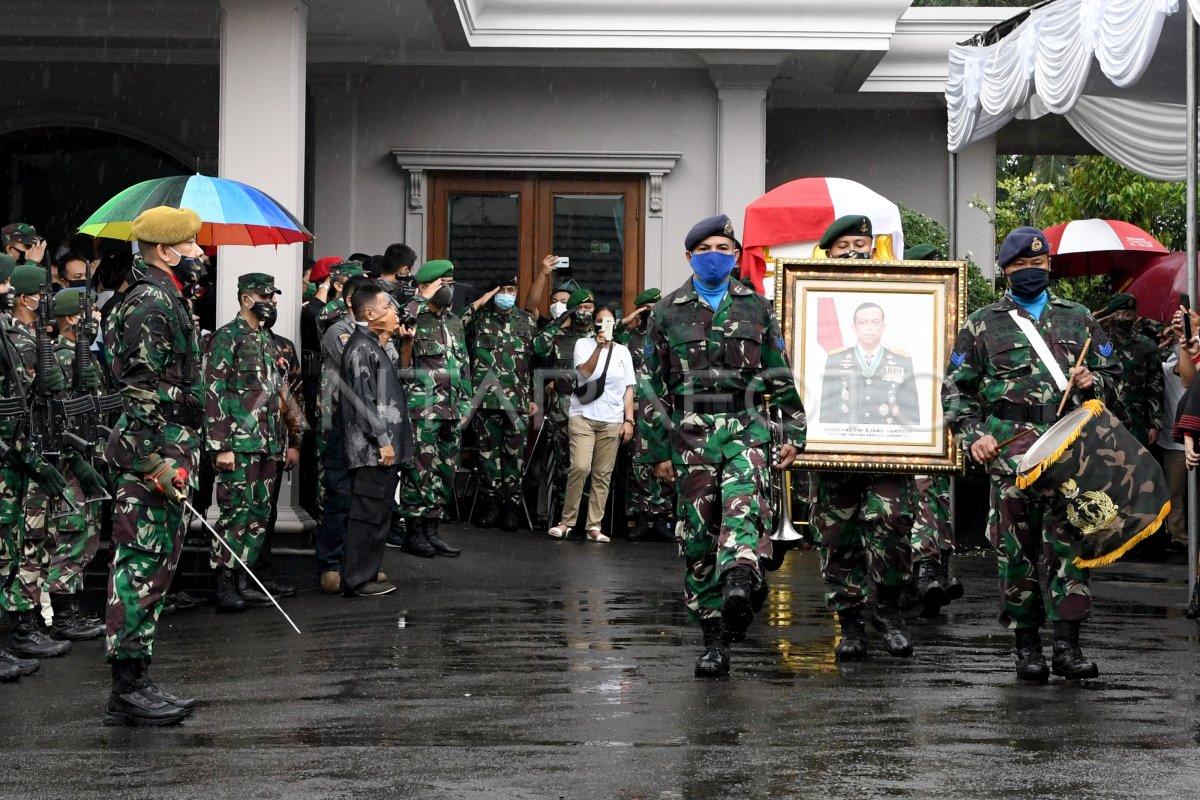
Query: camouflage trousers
863,521
148,531
427,485
71,542
1023,528
502,438
932,528
28,581
722,503
244,498
647,496
12,487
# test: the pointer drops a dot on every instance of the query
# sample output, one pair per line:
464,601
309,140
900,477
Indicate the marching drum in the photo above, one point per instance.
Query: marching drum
1099,479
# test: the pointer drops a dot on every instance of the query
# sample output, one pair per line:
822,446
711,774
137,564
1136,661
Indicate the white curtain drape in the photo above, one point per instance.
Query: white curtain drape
1050,54
1146,137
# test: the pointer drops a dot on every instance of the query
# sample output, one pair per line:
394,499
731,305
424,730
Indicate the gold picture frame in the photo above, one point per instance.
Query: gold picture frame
869,342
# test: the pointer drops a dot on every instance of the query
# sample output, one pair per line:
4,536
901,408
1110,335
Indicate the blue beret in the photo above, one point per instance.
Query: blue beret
1024,242
720,225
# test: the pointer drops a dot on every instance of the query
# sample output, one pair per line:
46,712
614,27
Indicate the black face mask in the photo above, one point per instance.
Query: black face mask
583,317
189,269
8,300
264,311
443,297
272,314
855,254
1029,282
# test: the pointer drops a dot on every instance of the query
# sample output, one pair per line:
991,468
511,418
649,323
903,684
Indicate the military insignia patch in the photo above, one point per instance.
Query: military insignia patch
345,337
864,226
1036,245
648,349
728,229
957,358
781,344
1105,349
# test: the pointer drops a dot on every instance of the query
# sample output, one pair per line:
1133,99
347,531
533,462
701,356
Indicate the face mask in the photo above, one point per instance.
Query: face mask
1028,283
855,254
583,317
8,300
264,311
188,270
713,268
505,301
77,284
557,309
443,296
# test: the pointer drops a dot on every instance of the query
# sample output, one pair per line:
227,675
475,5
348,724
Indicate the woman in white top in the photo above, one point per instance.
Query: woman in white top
597,428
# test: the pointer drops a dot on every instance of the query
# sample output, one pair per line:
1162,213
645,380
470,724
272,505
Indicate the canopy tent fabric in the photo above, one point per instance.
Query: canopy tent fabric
1130,110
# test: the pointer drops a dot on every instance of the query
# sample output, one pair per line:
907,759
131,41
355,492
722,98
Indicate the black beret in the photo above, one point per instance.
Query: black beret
849,225
720,225
1024,242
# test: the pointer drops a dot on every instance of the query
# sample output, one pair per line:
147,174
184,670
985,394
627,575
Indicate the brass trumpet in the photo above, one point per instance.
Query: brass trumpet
784,535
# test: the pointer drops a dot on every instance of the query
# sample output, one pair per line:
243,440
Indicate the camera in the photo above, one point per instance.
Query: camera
407,320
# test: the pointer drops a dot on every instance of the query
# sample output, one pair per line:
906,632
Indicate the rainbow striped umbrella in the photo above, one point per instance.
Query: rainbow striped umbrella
231,212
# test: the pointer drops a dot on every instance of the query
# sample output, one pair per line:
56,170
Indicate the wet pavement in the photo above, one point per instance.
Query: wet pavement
531,668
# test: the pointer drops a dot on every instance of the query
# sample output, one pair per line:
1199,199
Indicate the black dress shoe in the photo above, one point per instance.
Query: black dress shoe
737,601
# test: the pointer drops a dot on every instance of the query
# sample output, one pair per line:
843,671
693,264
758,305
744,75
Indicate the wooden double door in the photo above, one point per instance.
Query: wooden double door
492,225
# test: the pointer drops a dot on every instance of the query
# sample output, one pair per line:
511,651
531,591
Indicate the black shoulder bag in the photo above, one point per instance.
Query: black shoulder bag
590,392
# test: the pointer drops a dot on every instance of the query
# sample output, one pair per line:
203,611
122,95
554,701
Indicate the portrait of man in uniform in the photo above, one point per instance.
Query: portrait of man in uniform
868,383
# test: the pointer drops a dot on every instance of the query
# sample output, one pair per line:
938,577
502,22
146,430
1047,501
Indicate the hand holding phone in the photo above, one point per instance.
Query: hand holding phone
606,328
563,262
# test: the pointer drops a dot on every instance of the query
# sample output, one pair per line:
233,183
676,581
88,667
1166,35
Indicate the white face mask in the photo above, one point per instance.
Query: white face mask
556,309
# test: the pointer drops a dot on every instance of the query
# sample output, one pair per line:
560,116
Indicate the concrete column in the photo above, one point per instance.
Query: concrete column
741,136
976,175
263,52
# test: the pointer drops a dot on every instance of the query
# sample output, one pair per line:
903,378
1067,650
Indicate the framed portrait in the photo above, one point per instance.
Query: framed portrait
869,342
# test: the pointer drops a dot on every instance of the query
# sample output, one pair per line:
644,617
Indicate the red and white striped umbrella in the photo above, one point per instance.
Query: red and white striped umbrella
1100,247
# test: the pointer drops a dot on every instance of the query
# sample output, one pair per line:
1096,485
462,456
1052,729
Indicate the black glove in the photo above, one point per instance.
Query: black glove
90,480
50,480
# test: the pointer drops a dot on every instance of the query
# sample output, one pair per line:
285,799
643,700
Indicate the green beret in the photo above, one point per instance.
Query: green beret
7,265
569,285
648,296
580,296
849,225
430,271
1121,301
922,252
28,279
259,282
68,302
346,269
166,225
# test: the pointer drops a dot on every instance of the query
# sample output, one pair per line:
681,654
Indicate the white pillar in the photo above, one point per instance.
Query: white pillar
263,53
976,175
741,136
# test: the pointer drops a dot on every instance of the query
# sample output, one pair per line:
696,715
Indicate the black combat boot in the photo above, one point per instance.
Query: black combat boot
664,529
490,512
131,704
930,592
226,596
853,646
714,661
510,518
416,544
69,623
737,603
153,690
1068,661
1193,607
889,621
29,638
1031,664
398,535
435,541
10,673
186,602
24,666
953,586
248,590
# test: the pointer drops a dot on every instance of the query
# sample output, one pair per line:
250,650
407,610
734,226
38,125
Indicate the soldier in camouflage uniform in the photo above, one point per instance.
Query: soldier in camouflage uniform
555,346
1140,390
714,347
994,365
245,432
863,518
500,340
335,309
155,450
439,399
650,499
72,540
295,421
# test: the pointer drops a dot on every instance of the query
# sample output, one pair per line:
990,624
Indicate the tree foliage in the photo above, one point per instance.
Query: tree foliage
920,229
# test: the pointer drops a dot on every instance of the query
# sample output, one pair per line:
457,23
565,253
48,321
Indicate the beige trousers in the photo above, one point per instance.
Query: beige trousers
594,448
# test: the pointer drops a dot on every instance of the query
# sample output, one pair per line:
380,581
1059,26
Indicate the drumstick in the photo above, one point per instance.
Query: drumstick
1066,394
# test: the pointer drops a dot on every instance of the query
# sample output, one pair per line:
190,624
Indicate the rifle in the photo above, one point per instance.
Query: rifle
83,407
14,406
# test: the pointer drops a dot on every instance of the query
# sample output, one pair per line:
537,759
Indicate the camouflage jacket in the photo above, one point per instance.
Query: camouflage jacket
736,351
333,311
243,381
635,340
992,361
11,383
440,381
501,346
555,346
1140,389
289,364
373,411
156,358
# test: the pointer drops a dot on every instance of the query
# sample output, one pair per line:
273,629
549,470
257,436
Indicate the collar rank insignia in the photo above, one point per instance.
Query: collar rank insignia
957,358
